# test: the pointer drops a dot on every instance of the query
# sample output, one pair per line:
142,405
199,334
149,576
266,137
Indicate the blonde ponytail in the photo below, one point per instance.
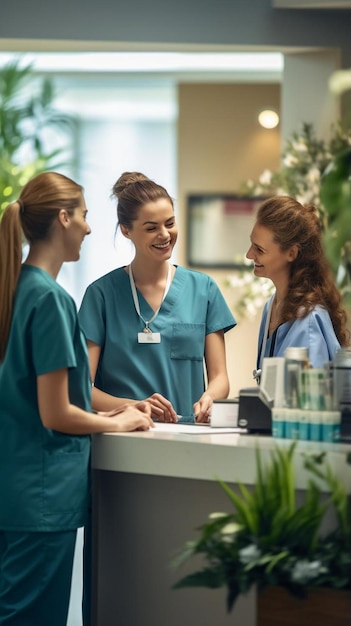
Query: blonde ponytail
10,265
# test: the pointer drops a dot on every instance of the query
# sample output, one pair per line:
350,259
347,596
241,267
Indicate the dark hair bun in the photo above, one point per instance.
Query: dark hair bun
127,178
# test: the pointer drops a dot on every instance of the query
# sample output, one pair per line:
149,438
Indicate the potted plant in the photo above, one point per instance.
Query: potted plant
27,119
274,540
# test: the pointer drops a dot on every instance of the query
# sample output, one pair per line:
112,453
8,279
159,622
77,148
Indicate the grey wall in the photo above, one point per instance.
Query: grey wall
200,22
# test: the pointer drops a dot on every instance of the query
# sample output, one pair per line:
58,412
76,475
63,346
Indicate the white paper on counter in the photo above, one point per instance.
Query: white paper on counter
195,429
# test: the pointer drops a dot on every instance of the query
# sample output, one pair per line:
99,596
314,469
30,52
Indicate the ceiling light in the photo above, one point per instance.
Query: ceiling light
149,61
268,118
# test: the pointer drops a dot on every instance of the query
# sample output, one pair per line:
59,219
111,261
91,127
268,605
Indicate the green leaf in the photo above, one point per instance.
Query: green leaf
244,514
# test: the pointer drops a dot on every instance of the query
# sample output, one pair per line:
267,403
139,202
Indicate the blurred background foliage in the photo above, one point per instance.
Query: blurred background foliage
319,173
29,142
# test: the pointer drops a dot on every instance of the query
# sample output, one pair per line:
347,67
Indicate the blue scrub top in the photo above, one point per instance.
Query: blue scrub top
193,308
315,332
43,473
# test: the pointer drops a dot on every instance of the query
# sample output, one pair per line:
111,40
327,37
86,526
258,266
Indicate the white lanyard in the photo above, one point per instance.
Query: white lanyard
265,335
136,300
257,373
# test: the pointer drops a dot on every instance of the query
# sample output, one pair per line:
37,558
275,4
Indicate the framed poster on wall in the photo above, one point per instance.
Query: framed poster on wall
219,228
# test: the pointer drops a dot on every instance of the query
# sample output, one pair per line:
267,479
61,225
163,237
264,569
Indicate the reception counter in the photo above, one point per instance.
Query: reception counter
151,491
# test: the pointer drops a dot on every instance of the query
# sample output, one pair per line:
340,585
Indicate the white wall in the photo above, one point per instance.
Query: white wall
106,149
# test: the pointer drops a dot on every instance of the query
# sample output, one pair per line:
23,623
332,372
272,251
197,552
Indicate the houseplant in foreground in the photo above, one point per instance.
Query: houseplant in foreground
274,536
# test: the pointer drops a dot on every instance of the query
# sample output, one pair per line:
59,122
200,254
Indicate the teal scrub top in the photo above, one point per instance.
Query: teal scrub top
193,308
43,473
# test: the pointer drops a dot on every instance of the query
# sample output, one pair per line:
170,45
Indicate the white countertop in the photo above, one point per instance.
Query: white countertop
164,451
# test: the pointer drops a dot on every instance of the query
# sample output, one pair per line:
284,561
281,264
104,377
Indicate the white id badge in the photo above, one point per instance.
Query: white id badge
149,338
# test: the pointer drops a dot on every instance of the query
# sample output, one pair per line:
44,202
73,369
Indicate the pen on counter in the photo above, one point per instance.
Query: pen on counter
181,419
186,419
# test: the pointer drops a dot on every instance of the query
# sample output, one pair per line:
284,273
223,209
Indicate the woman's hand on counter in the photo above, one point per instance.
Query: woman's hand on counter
203,408
131,417
161,408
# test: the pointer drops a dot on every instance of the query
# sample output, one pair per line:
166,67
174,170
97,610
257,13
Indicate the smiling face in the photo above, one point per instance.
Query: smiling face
270,261
154,233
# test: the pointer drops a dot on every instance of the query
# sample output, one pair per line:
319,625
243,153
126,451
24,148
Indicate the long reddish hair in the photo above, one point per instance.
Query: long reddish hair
311,279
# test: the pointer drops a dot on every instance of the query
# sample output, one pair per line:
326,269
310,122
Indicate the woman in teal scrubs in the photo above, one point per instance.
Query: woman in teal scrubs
155,330
45,404
306,309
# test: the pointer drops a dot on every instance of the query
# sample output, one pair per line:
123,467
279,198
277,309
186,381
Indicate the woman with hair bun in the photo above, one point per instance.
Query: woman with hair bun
306,309
45,404
152,325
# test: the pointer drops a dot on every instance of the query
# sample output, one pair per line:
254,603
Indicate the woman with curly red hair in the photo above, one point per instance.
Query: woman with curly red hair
306,309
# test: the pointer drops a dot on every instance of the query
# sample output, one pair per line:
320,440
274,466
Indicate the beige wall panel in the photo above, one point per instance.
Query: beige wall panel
220,145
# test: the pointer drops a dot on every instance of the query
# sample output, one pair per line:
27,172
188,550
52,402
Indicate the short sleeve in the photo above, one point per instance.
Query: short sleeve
92,315
219,316
322,341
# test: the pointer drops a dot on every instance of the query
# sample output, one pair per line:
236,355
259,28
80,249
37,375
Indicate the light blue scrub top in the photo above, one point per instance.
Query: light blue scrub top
193,308
43,473
315,332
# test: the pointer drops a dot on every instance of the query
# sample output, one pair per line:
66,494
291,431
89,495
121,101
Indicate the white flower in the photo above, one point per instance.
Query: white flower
313,175
304,571
266,177
217,515
249,554
230,529
259,190
300,146
290,160
281,192
304,198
